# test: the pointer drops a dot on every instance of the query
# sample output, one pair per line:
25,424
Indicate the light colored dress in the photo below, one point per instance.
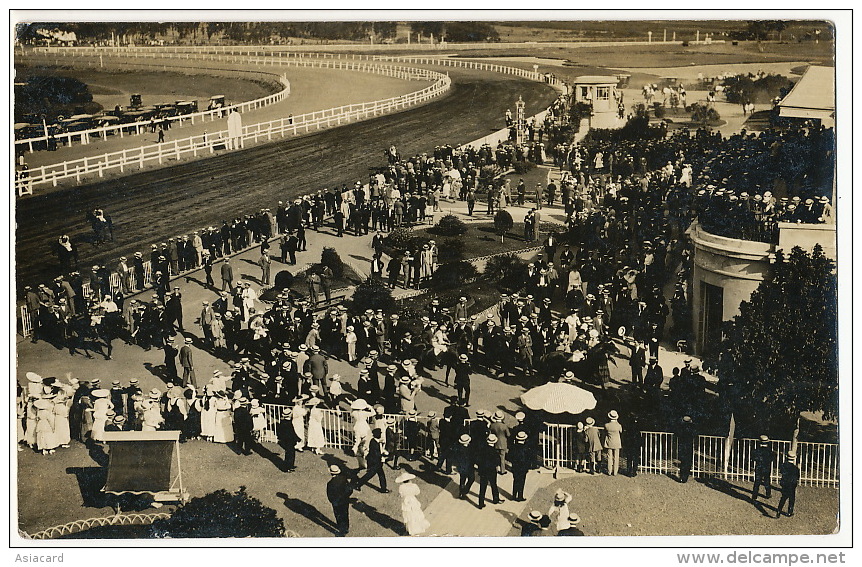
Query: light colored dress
316,439
411,510
30,427
100,416
223,422
46,438
298,420
208,418
61,423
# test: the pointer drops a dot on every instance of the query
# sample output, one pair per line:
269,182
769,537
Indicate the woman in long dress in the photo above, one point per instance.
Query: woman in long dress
61,419
411,511
298,420
208,414
101,405
316,439
46,439
192,424
223,432
361,430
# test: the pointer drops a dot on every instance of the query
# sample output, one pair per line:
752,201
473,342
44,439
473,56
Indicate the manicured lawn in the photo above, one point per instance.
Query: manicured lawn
660,506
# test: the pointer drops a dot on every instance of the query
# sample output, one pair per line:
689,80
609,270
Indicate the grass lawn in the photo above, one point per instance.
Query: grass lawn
653,505
111,87
66,487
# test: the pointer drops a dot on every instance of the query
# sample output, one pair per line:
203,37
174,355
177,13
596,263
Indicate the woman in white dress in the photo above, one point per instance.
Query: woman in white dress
152,417
46,439
316,439
101,405
298,420
223,432
61,419
426,262
361,413
208,414
411,511
258,419
559,511
249,296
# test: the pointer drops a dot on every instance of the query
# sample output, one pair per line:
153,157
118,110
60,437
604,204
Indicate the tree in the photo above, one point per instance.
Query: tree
221,514
760,29
779,356
372,294
329,257
503,223
507,270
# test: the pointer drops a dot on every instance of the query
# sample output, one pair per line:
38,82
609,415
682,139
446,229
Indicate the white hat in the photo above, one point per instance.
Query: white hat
405,477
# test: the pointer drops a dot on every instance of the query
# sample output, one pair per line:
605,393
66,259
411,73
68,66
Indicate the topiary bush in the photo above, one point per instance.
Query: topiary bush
453,274
503,223
329,257
523,166
372,294
506,270
221,514
704,114
449,225
450,250
399,238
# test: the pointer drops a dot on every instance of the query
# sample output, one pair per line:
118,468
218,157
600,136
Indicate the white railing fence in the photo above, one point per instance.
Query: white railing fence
136,128
210,142
659,454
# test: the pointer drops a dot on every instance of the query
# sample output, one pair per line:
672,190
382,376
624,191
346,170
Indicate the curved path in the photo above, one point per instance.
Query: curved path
151,206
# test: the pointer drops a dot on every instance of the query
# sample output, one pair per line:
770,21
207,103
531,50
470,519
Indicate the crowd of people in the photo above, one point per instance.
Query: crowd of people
627,205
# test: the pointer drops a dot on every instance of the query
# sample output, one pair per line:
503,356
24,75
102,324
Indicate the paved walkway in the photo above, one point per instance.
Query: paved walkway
462,518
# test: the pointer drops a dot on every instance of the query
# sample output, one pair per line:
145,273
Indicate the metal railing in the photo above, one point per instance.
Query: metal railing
338,428
209,142
659,454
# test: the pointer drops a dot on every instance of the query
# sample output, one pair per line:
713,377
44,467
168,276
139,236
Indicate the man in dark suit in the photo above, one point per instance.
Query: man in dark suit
226,275
487,467
187,363
462,379
573,529
243,427
288,439
637,362
519,457
789,482
465,462
374,462
338,491
762,458
686,436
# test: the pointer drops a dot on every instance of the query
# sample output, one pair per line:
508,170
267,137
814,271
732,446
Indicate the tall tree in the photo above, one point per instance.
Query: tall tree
779,356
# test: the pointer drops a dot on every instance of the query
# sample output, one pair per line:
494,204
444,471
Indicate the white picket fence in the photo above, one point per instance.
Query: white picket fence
818,462
210,142
85,137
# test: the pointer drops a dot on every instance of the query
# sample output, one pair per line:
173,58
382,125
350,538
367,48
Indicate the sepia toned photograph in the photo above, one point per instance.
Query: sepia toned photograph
430,275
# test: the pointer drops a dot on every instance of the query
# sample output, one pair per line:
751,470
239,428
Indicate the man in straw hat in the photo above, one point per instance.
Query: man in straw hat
519,457
533,525
762,458
287,439
789,480
613,442
338,492
573,529
487,466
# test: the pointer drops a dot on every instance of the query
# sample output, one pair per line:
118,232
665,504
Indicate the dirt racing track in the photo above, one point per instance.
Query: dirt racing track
151,206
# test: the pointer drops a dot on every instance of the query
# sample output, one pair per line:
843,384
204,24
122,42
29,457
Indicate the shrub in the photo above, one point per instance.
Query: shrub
523,166
329,257
449,225
507,270
658,110
221,514
453,274
399,238
704,114
372,294
451,250
503,223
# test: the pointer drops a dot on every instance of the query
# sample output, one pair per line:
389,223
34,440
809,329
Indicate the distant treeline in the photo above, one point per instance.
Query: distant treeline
258,32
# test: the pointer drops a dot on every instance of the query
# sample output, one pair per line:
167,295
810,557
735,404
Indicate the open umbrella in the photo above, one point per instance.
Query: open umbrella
559,397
